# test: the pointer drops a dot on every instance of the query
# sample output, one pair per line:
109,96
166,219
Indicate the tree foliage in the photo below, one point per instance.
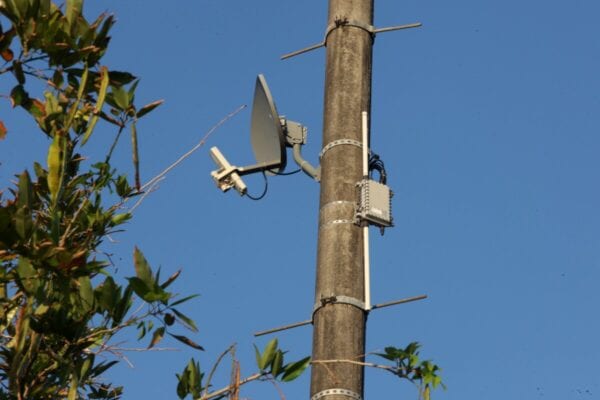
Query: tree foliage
60,304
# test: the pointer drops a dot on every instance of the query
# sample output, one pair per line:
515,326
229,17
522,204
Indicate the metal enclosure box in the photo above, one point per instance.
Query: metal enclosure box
375,203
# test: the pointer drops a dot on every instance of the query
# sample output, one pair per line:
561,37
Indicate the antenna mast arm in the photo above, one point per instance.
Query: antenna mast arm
308,169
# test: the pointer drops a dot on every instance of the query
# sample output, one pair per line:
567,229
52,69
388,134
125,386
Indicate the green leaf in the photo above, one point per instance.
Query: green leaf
25,190
28,275
120,78
157,336
276,365
121,98
108,294
54,166
187,321
23,222
73,11
294,370
131,92
102,367
99,103
142,268
73,388
183,300
139,287
148,108
80,92
120,218
258,356
268,354
187,341
148,293
86,292
18,96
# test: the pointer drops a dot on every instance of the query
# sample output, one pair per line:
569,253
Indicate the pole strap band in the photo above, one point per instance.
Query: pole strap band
337,222
338,203
339,142
336,391
339,300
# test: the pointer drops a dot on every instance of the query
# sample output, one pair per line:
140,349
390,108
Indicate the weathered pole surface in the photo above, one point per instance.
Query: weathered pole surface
339,324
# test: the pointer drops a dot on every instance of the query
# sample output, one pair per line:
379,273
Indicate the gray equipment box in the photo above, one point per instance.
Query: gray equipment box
375,203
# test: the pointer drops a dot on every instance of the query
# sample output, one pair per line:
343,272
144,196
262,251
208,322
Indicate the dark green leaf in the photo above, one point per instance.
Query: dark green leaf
18,72
294,370
183,300
139,287
187,322
276,365
120,78
25,190
27,275
102,367
142,268
187,341
23,222
18,96
86,292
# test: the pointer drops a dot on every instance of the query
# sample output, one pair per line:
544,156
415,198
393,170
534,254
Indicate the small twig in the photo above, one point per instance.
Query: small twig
193,149
277,387
114,143
235,381
228,388
214,368
144,349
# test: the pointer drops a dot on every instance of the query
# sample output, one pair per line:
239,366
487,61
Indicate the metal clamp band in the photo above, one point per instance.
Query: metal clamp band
330,392
337,202
338,23
337,222
339,142
339,300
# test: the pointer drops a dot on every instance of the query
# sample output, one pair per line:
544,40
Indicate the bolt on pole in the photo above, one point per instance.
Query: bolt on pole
340,318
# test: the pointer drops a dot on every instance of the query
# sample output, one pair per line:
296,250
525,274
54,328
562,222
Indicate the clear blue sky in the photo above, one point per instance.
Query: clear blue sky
488,121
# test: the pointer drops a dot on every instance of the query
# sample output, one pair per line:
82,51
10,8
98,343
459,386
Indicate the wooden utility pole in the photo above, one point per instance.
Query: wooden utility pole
339,317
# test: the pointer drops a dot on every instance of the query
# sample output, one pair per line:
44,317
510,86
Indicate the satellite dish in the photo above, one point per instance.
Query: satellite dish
266,132
270,134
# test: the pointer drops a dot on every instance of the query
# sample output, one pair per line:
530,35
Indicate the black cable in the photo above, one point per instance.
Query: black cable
264,191
375,164
285,173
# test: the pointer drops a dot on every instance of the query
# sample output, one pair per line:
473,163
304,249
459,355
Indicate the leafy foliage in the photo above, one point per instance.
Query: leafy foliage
271,367
407,365
60,306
